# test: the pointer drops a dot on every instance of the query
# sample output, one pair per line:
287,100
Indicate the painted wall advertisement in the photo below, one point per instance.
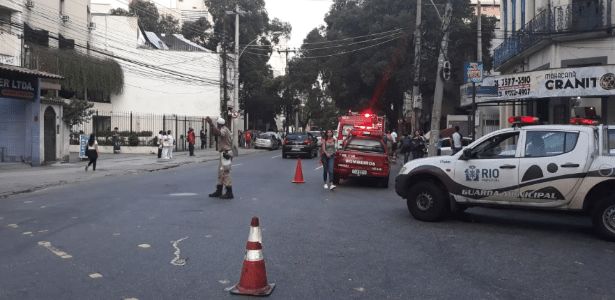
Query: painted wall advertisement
569,82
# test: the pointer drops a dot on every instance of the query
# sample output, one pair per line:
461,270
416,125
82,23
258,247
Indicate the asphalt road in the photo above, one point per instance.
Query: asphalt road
113,239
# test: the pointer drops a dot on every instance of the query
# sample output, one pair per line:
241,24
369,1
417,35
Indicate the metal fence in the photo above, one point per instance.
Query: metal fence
141,129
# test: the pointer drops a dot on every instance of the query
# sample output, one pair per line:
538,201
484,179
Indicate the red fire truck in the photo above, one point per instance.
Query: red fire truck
355,120
364,154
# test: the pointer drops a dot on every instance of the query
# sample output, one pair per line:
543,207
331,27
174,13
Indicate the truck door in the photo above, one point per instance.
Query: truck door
492,171
553,163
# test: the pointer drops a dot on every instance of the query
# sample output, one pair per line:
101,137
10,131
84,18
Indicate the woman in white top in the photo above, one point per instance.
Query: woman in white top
91,149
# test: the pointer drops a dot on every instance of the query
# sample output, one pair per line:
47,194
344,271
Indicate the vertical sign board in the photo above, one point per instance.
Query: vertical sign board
83,141
473,72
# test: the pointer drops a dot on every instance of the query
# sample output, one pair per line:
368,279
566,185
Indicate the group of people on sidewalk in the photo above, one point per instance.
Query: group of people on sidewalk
165,144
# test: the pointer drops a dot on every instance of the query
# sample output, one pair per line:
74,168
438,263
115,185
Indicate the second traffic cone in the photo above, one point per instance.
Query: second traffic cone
253,279
298,173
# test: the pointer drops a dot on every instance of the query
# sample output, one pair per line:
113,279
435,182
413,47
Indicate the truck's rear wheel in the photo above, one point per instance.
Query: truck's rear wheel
426,202
603,218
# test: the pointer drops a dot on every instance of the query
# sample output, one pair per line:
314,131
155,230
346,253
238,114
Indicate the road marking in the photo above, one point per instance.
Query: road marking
13,225
224,281
144,246
116,234
28,201
178,261
55,251
95,275
360,289
276,156
43,231
182,194
27,233
317,168
236,165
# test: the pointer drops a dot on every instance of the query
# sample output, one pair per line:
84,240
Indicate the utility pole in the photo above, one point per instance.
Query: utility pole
224,82
287,121
479,58
236,98
439,92
417,105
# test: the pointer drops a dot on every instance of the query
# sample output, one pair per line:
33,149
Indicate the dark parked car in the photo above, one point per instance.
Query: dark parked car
300,144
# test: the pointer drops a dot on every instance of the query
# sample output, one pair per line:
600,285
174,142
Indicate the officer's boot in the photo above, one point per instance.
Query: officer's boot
229,193
218,192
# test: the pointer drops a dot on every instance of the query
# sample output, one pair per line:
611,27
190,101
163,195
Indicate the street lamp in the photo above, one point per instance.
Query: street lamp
237,12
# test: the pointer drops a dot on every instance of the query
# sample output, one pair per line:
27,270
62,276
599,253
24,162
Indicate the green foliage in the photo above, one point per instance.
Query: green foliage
81,71
77,111
168,25
147,13
133,140
197,31
119,12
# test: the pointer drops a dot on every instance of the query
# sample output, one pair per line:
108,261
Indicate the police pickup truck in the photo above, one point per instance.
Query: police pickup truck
363,154
551,167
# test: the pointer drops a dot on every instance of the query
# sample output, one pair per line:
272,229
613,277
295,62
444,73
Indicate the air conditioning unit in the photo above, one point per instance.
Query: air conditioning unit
29,4
91,25
65,18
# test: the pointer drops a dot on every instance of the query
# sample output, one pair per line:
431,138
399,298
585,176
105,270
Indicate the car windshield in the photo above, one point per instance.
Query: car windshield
297,137
264,136
365,145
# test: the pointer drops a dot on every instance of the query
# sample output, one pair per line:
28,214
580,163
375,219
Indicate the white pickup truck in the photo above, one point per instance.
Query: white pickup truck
551,167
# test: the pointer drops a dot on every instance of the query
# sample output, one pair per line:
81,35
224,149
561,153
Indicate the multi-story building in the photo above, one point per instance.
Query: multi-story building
557,60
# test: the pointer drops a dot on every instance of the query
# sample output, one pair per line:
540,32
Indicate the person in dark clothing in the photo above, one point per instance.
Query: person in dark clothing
203,139
418,145
160,143
92,152
406,146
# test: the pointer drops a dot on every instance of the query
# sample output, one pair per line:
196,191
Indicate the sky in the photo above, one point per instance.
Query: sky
303,15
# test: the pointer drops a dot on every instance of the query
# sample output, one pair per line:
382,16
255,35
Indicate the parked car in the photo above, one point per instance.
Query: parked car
300,144
318,136
267,141
444,145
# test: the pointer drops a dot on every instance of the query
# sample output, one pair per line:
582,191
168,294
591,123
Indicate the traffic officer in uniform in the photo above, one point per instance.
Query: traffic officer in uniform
225,144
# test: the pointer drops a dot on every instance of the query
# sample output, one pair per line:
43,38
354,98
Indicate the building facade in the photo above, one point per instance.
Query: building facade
556,62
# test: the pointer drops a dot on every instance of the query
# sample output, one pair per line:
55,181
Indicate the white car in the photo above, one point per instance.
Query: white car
444,145
267,141
318,136
549,167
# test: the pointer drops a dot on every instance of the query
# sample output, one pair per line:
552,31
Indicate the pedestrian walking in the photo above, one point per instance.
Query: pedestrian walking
248,139
171,143
456,140
191,139
91,151
203,138
406,146
225,143
418,145
329,146
159,139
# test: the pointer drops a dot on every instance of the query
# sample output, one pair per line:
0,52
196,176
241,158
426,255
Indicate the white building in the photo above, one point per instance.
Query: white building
557,61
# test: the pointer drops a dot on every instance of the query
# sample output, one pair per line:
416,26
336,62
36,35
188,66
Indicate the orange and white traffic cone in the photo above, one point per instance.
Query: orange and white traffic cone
298,173
253,280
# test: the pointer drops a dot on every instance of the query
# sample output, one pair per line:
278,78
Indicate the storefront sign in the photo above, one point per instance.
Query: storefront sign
481,93
473,72
14,87
572,82
83,143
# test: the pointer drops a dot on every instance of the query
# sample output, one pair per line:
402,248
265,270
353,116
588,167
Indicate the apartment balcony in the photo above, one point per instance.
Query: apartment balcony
568,22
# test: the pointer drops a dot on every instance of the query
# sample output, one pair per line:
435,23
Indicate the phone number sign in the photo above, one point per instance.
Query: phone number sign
473,72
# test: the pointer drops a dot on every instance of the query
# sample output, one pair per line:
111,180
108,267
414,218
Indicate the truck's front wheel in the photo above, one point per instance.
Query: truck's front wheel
603,218
426,202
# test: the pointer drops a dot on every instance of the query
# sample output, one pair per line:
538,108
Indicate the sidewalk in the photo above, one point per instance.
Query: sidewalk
18,178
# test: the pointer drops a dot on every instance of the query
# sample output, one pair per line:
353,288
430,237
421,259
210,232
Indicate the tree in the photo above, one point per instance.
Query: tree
119,12
365,59
168,25
197,31
255,29
147,13
77,111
